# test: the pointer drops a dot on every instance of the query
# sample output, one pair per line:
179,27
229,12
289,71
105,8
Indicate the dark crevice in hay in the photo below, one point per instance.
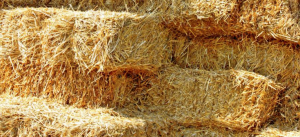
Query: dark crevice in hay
277,113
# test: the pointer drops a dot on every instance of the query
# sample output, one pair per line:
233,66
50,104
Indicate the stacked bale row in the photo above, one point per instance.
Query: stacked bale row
238,100
264,18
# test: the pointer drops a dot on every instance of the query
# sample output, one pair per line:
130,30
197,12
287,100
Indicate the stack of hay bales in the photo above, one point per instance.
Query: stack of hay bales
79,56
144,62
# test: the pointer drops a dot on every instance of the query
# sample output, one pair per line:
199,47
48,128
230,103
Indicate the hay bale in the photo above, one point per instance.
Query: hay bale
84,58
204,18
39,117
270,19
71,85
100,40
233,99
277,60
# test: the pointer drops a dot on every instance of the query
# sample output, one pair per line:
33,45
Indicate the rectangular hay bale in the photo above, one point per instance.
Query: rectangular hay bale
100,40
270,19
233,99
71,85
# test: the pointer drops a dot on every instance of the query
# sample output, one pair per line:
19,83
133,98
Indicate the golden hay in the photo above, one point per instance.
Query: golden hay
263,18
274,132
271,18
116,5
84,58
266,18
38,117
70,85
274,59
99,40
102,58
234,99
204,18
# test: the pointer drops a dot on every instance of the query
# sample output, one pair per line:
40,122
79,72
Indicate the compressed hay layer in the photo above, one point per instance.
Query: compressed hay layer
274,59
234,99
38,117
100,40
